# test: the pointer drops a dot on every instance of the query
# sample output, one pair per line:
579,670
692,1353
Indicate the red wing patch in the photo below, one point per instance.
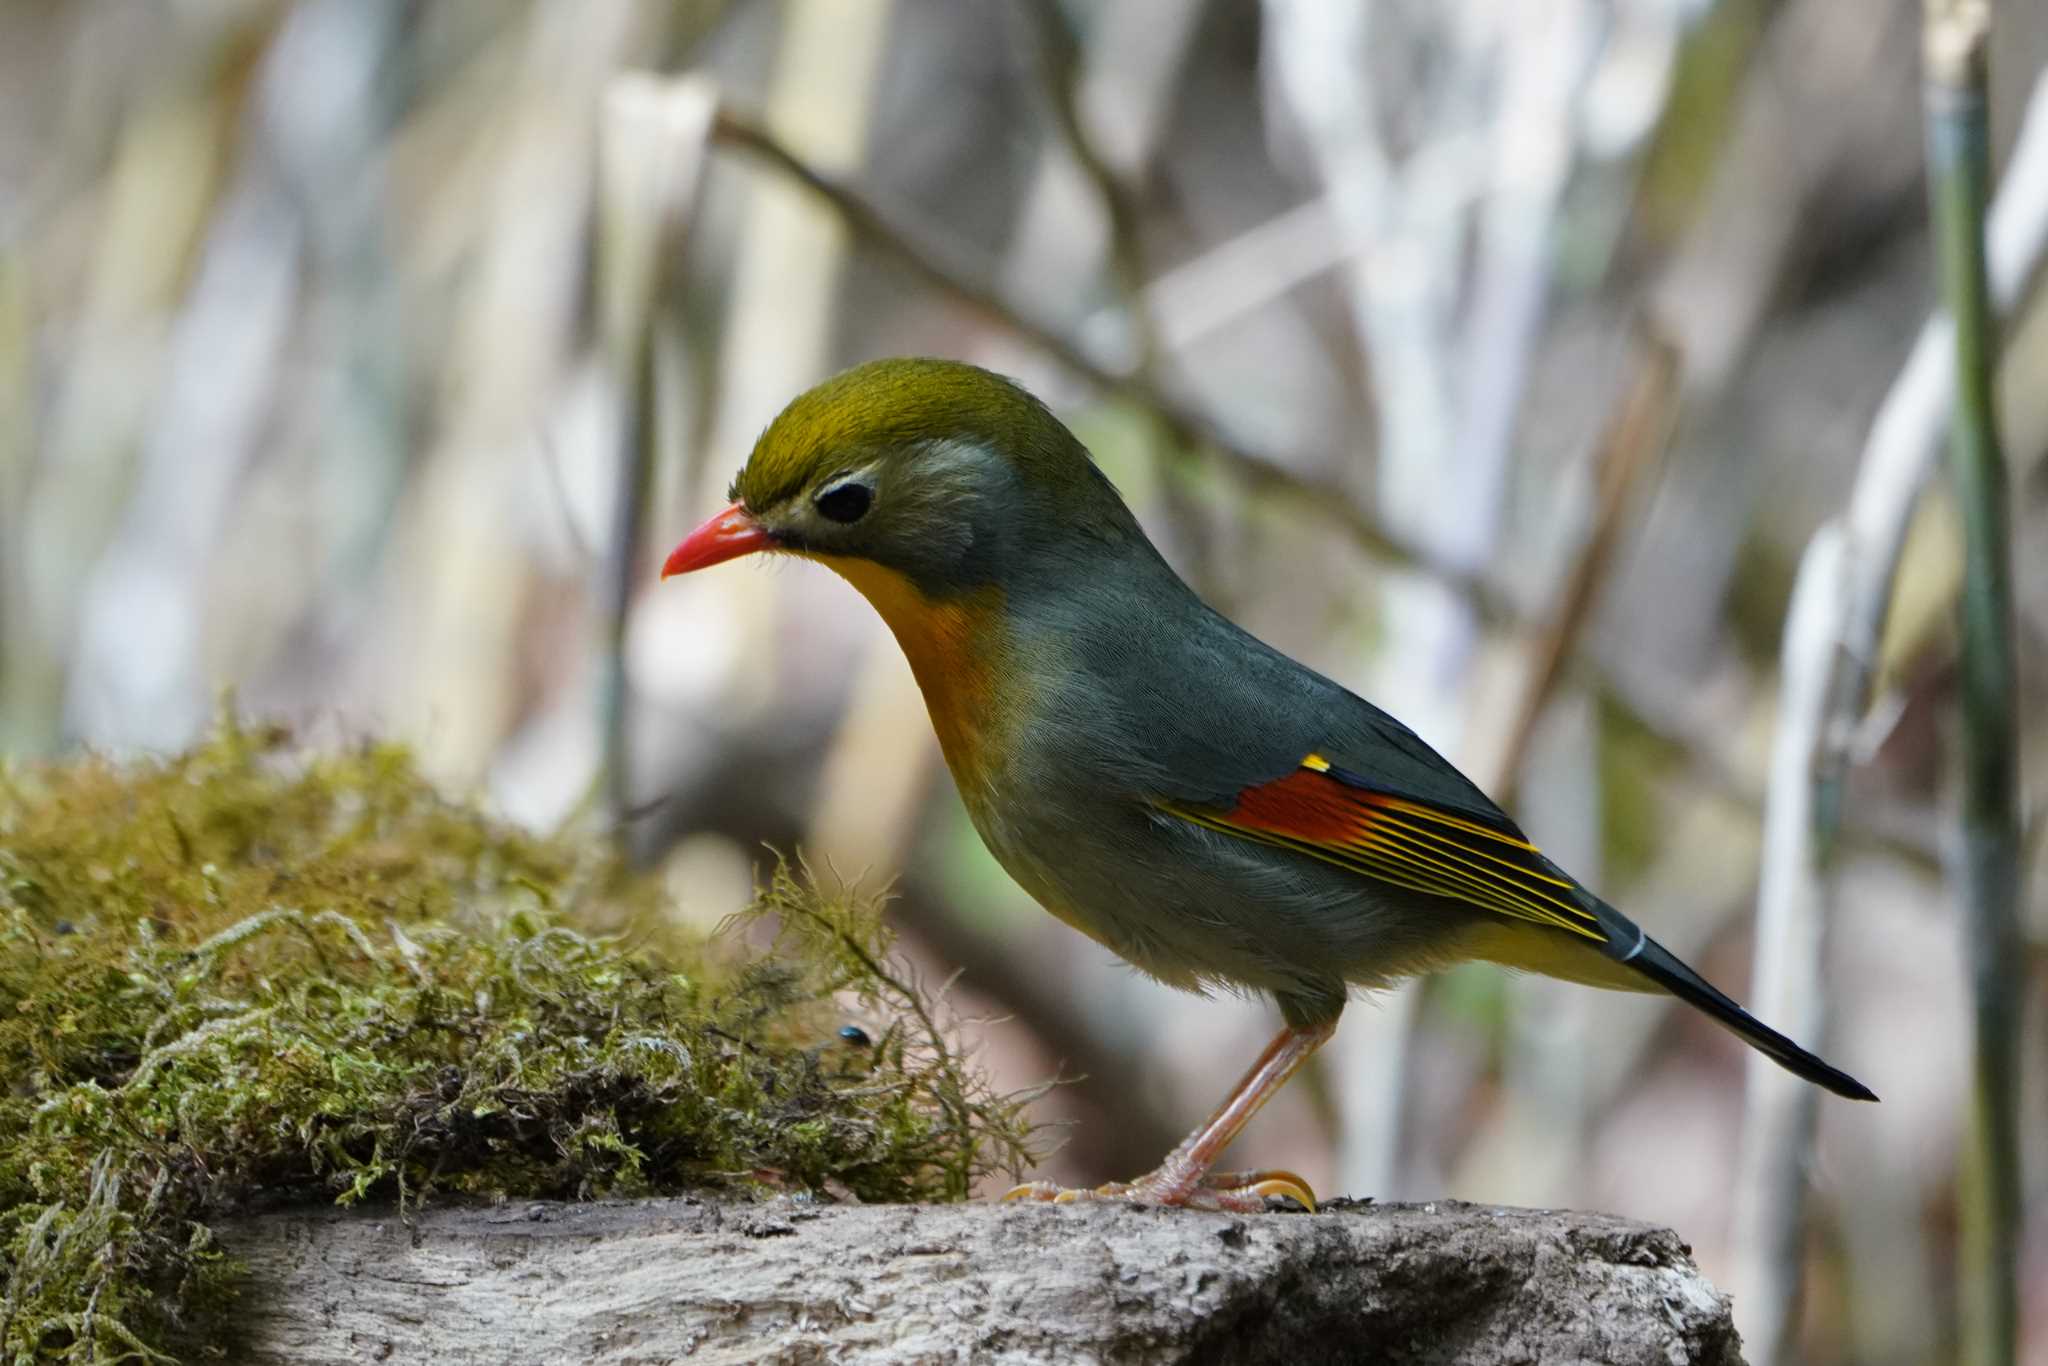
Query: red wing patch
1335,816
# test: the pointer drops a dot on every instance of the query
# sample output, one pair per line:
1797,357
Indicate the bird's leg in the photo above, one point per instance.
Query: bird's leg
1184,1177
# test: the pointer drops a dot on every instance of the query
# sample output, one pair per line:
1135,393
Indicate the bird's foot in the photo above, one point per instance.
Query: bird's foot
1235,1192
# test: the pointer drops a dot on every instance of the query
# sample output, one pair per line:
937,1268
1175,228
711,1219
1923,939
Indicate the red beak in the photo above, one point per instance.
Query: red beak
729,535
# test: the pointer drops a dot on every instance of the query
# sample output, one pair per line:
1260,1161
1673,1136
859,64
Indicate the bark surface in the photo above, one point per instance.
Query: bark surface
711,1282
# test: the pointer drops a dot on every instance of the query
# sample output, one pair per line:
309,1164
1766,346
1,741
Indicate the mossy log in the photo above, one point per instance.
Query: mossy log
706,1281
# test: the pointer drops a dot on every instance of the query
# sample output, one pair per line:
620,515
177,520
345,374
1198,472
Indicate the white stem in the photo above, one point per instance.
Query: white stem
1830,655
1790,927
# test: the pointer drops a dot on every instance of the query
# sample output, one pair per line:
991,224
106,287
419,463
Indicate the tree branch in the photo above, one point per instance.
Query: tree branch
1987,867
1636,435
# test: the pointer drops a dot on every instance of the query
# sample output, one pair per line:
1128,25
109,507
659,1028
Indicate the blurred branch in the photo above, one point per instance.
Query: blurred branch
1206,293
1830,661
1636,436
1905,438
946,268
1059,59
940,265
1812,86
1548,54
1786,979
1799,138
1327,62
1959,170
652,156
1060,69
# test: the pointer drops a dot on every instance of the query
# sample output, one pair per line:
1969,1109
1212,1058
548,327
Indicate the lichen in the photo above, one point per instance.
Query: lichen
246,976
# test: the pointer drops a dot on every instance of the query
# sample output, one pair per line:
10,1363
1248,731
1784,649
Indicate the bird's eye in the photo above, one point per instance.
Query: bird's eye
847,502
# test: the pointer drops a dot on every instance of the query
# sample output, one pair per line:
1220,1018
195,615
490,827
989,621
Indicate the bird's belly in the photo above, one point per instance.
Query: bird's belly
1192,908
1059,869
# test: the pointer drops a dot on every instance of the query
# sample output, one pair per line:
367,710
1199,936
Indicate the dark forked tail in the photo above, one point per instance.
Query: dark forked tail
1626,943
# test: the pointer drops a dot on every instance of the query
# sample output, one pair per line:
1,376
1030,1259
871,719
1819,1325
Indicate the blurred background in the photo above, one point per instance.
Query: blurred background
1499,360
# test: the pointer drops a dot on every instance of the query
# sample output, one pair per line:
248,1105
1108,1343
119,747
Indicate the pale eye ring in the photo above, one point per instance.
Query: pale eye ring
845,502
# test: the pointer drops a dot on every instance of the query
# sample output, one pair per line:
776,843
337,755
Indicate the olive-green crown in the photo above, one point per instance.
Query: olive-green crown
890,405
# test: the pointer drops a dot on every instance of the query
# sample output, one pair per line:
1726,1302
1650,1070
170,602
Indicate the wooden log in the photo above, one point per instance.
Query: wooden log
705,1281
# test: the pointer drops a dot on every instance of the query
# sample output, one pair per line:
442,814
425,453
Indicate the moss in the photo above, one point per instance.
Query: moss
242,977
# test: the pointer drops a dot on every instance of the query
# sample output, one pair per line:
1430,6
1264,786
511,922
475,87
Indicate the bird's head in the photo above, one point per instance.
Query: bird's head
927,473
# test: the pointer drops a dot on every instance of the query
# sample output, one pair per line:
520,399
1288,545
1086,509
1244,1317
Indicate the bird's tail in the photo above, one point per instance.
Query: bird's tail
1628,945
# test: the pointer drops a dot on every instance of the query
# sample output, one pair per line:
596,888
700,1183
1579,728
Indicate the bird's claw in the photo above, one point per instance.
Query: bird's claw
1264,1184
1030,1190
1235,1192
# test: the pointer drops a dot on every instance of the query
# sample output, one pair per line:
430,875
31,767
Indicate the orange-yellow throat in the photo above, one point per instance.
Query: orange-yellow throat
957,651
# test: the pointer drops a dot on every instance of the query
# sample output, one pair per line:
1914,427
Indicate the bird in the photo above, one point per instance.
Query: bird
1212,811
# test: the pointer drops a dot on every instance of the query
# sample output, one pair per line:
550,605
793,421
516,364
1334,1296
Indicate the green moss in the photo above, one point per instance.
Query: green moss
239,977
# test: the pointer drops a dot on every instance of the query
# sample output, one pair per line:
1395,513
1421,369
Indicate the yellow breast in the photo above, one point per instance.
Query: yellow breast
958,654
961,657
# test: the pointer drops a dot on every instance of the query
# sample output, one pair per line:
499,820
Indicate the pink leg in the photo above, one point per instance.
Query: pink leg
1184,1177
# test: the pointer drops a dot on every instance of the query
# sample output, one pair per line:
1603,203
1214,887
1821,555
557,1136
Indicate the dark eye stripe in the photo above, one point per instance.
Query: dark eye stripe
847,502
